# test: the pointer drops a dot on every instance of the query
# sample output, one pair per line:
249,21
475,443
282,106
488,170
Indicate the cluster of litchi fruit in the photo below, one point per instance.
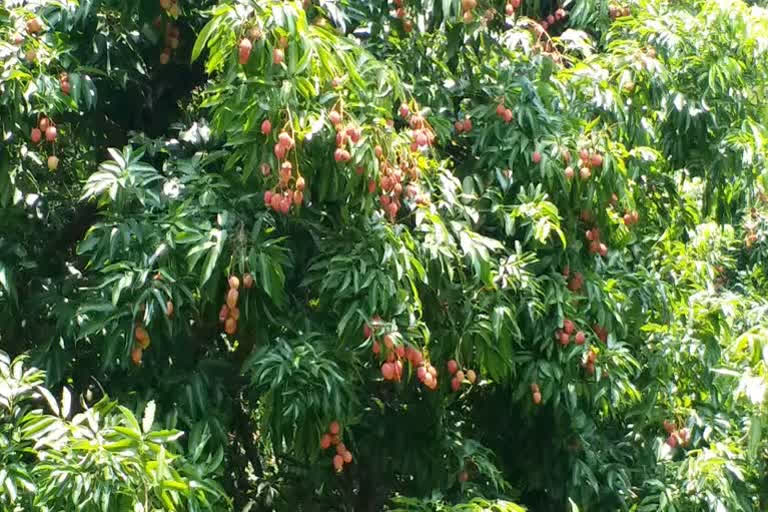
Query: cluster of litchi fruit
172,39
64,84
171,7
576,281
427,375
676,436
278,54
589,161
17,39
467,9
246,44
391,185
568,333
333,438
46,127
617,11
401,176
345,136
172,34
463,125
535,394
596,246
141,336
392,369
229,314
34,26
560,14
750,238
393,354
503,112
244,50
601,332
289,191
631,218
392,180
511,5
565,334
401,14
421,135
588,363
459,375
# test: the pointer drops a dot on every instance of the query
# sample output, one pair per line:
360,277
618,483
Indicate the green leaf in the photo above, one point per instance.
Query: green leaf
755,435
129,432
52,403
149,417
204,35
164,436
213,255
130,420
175,485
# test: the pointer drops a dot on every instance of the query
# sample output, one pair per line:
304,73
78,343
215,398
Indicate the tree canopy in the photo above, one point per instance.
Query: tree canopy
354,255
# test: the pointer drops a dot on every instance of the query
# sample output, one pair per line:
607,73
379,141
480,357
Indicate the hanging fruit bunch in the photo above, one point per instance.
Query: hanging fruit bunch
46,128
172,37
141,336
289,190
459,376
229,314
333,437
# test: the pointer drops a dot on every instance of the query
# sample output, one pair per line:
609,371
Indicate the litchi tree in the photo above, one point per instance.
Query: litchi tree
409,255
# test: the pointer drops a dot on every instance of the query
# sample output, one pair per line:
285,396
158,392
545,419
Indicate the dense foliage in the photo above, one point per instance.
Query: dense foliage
453,255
